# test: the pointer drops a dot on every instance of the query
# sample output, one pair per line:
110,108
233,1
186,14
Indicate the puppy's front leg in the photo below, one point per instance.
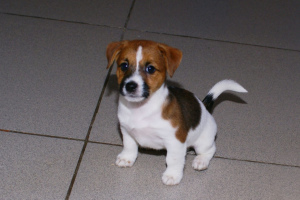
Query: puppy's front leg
130,150
175,163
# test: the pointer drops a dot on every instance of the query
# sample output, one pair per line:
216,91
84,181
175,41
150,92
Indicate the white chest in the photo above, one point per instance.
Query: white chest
146,126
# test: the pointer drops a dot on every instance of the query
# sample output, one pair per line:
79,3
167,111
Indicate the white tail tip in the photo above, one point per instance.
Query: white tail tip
225,85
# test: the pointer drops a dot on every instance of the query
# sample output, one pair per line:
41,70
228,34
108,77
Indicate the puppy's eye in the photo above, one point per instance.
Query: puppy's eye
124,67
150,69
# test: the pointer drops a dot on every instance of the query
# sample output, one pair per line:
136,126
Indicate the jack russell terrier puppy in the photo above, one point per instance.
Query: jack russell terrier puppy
156,116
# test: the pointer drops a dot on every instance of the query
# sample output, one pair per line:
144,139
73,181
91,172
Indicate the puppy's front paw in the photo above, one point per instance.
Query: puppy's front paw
200,162
171,178
125,160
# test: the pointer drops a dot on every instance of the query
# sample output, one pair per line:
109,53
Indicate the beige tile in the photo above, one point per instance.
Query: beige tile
35,167
51,74
99,178
52,70
261,125
252,22
105,12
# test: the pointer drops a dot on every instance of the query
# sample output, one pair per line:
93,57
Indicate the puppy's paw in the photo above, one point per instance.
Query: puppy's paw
200,162
171,178
125,160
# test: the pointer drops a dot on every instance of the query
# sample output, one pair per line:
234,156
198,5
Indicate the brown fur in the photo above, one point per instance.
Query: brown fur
183,110
162,57
165,59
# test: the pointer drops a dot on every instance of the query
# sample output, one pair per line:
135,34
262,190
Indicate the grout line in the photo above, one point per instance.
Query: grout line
96,111
60,20
129,14
88,135
86,140
41,135
127,20
120,145
217,157
106,143
153,32
214,40
258,162
95,114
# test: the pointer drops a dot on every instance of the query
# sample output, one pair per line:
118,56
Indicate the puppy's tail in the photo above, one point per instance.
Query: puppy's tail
218,88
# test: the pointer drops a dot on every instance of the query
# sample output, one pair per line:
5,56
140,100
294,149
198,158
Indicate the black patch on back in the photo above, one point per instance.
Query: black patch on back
208,102
189,105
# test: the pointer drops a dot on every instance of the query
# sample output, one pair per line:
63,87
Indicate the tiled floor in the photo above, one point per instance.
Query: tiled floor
59,136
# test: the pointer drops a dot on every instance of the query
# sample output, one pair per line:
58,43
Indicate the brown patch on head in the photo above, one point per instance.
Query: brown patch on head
183,110
163,58
152,57
112,52
115,51
172,57
126,55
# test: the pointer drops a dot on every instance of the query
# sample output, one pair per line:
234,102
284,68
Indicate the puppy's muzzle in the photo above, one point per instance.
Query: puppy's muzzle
133,91
131,87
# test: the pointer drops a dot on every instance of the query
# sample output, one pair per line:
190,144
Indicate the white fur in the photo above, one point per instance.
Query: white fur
139,57
142,123
224,85
137,96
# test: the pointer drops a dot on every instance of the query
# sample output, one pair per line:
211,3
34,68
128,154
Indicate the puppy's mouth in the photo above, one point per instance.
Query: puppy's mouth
133,91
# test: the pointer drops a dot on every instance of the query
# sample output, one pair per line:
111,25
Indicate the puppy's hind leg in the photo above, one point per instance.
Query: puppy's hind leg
205,145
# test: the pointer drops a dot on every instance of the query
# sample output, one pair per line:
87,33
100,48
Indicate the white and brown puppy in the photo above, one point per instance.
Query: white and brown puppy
156,116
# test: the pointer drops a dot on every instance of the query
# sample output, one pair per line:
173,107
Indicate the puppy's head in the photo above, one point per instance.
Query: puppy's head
142,66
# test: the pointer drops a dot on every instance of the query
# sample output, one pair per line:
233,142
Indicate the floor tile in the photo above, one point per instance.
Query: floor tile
35,167
52,71
105,12
51,74
250,126
252,22
106,126
99,178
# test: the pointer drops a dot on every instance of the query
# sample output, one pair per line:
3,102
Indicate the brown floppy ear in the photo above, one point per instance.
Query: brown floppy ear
172,56
112,51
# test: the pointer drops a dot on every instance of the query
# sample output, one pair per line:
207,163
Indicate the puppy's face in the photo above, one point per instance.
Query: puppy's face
142,66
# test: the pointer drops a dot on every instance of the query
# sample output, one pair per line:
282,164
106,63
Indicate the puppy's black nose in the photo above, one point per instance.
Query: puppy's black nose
131,86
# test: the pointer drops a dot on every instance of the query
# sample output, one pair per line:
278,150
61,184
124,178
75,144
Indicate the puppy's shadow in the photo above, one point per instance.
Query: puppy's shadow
112,87
226,96
153,152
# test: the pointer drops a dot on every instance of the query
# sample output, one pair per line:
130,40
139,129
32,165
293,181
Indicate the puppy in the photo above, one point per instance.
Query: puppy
156,116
